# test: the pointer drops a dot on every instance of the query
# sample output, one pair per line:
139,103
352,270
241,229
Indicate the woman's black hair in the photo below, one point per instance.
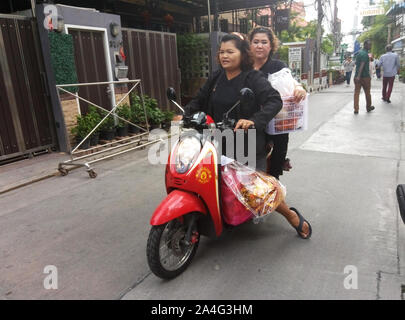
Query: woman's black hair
243,46
274,42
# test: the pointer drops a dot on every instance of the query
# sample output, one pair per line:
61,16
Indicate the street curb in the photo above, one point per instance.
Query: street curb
34,180
31,181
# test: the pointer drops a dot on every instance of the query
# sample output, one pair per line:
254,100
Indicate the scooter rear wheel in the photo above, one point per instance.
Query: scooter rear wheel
167,251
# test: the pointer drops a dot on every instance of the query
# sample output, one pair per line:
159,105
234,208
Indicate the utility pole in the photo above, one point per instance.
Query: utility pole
355,23
335,29
319,36
32,8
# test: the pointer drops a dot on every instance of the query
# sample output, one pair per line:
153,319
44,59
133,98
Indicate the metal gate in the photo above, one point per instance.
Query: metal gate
152,57
26,124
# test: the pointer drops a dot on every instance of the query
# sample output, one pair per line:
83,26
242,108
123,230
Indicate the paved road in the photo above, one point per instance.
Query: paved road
345,172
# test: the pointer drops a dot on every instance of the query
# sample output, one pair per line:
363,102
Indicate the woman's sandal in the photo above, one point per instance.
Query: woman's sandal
301,224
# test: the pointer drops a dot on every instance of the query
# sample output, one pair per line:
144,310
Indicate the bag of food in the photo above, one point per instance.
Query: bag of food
247,193
293,116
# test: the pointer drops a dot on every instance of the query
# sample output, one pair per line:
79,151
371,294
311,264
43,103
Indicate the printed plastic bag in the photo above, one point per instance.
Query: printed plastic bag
293,116
247,193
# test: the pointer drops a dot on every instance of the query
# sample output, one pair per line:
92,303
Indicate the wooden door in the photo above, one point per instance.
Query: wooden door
91,66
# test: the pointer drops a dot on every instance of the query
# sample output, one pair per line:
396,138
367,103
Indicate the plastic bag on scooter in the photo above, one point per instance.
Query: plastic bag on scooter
247,193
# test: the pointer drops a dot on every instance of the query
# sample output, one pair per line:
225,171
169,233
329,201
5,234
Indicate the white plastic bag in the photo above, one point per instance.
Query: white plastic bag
283,82
293,116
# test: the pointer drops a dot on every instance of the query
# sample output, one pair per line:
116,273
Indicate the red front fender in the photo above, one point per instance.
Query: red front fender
176,204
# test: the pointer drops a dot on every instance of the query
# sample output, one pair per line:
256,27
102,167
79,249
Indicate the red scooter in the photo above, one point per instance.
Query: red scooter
192,207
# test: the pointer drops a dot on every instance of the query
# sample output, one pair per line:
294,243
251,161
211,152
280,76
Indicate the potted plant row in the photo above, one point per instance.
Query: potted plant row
108,129
85,124
156,117
124,112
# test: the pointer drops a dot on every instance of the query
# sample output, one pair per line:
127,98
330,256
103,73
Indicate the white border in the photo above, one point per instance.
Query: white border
106,52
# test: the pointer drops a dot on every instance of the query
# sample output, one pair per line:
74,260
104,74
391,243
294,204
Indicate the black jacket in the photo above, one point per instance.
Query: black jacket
272,66
266,105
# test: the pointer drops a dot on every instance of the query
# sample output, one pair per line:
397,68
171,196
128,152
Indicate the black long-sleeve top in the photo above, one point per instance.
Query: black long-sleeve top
267,100
266,105
272,66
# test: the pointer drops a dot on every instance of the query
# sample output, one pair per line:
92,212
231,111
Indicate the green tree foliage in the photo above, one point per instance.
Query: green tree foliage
377,31
378,34
327,44
296,33
283,53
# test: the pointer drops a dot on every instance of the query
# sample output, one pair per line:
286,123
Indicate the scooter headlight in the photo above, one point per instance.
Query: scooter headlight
187,153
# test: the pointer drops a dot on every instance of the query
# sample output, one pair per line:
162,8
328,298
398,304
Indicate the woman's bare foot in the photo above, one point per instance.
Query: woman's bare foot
294,219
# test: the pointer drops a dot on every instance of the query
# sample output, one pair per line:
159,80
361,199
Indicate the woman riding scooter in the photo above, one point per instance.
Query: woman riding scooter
220,92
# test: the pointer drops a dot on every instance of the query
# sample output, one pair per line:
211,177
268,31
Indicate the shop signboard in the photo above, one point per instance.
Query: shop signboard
294,61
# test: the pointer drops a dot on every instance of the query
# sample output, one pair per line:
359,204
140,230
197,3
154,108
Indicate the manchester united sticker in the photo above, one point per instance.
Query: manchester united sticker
203,175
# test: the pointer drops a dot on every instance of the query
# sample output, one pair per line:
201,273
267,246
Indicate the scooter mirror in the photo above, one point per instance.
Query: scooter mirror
246,98
246,95
171,93
199,118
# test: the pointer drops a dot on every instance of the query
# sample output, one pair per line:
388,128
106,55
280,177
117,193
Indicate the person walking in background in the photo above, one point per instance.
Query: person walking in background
389,62
372,67
377,68
362,77
348,66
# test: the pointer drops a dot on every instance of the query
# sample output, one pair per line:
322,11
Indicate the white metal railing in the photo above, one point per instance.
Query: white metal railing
138,138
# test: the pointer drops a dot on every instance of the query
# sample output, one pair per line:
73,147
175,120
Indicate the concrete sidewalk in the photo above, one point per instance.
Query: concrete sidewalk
24,172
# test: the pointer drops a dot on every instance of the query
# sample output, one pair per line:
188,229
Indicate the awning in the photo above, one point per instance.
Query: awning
396,40
200,7
396,9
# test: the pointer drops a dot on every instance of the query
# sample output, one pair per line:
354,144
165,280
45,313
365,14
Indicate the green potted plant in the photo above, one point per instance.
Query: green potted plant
94,118
81,130
137,113
155,115
124,112
107,128
168,117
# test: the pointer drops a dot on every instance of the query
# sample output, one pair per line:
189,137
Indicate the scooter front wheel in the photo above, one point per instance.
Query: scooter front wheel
168,252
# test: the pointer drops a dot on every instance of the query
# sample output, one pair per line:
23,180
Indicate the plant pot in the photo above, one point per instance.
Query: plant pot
133,129
122,131
84,145
166,125
108,135
94,139
154,126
